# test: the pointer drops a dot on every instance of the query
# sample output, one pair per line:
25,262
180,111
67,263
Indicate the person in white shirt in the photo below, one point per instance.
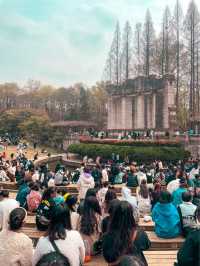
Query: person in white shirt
85,182
141,176
68,241
104,174
3,175
6,206
16,248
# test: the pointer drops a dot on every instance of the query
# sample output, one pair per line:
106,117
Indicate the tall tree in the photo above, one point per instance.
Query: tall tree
112,68
192,24
178,20
166,40
148,43
126,52
138,48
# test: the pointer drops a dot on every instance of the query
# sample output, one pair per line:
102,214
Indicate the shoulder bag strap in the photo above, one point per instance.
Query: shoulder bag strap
56,248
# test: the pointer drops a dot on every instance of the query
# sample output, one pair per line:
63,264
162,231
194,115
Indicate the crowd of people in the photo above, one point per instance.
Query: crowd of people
98,221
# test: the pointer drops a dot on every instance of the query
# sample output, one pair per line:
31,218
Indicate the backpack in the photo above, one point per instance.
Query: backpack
54,258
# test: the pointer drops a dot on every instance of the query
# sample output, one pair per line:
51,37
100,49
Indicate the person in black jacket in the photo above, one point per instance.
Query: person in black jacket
189,253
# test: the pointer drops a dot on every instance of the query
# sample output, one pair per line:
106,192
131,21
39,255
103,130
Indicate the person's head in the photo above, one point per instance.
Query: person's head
35,187
112,206
71,202
182,183
16,218
105,184
89,223
110,195
49,193
186,196
86,170
197,215
121,228
1,195
60,222
165,197
91,192
130,261
5,193
144,192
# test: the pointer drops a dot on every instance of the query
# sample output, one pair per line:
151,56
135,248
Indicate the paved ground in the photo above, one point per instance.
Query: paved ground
30,152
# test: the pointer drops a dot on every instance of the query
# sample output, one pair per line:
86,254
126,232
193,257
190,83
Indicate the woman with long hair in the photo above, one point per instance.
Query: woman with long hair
16,248
60,233
122,237
143,199
90,222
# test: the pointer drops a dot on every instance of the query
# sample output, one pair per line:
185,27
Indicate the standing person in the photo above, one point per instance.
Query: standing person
122,237
189,253
143,199
104,174
44,210
96,174
85,182
90,222
16,248
6,206
141,175
166,217
68,241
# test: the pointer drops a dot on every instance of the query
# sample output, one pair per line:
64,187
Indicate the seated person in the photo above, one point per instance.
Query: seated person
123,237
177,194
186,211
132,179
143,199
16,247
34,198
189,253
166,217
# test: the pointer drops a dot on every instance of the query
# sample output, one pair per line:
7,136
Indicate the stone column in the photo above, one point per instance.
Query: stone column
123,112
153,111
149,111
140,112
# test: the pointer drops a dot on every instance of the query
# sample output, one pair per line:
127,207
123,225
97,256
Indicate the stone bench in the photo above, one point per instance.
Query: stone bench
154,258
156,242
30,222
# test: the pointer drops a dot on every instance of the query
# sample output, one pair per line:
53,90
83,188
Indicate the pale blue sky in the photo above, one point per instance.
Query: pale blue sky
61,42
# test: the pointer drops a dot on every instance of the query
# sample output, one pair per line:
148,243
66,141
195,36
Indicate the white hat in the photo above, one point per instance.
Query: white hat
51,183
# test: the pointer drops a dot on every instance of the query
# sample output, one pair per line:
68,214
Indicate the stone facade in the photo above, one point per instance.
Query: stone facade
141,104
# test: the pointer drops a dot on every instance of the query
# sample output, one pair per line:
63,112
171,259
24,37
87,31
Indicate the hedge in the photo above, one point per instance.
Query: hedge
139,154
138,143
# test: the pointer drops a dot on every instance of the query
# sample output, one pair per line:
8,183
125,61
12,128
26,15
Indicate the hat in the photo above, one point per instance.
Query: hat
51,183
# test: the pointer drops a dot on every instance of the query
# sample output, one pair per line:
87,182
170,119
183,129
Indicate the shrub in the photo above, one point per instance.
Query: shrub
136,153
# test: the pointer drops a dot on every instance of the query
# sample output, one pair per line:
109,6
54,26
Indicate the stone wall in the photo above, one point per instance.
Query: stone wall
144,107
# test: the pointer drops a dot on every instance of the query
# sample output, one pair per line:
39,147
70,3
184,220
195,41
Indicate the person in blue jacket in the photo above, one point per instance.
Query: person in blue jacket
166,217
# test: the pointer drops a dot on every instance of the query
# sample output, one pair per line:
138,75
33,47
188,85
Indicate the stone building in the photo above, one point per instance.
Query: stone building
142,103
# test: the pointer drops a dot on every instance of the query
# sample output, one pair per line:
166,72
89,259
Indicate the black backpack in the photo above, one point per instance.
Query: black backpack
54,258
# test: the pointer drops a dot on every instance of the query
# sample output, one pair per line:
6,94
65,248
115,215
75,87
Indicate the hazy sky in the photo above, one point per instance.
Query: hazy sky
61,42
